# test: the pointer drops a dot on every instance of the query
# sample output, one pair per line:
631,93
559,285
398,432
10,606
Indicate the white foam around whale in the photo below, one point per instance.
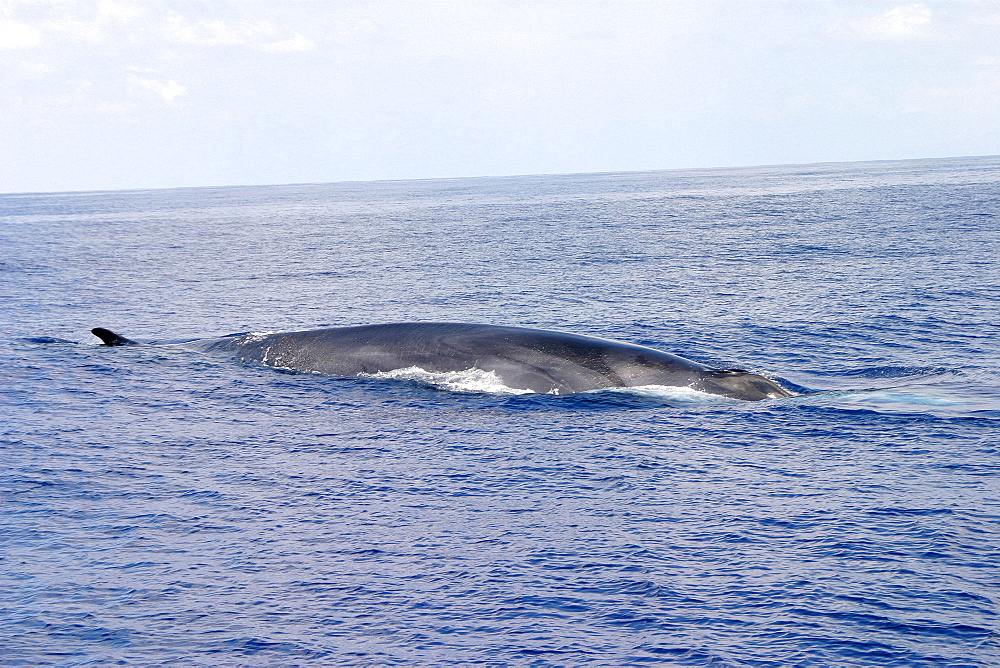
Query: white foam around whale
469,380
488,382
669,393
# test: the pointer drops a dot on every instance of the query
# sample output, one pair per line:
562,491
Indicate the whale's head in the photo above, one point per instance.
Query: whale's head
740,384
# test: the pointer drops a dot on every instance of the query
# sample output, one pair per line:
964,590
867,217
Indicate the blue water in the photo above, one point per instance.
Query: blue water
164,507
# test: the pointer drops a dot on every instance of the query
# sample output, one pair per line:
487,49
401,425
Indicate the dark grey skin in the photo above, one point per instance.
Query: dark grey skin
530,359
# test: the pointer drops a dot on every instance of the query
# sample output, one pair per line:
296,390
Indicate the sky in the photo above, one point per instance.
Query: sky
121,94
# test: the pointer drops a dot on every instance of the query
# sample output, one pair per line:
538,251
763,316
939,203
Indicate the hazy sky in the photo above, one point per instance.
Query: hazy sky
107,94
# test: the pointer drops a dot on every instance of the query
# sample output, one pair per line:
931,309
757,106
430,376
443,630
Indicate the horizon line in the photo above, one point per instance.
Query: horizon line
491,176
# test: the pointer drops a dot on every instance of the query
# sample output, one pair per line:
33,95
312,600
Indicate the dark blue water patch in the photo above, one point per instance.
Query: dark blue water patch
46,340
896,372
248,646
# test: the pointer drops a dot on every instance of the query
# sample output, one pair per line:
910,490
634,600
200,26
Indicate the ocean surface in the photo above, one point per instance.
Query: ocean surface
162,506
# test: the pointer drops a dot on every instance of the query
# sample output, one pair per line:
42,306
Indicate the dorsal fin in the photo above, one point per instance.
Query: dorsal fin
110,338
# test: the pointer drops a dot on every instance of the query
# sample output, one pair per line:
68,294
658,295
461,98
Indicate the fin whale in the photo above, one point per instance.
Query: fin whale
531,359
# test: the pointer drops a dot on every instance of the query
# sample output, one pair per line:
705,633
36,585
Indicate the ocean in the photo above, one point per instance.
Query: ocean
163,506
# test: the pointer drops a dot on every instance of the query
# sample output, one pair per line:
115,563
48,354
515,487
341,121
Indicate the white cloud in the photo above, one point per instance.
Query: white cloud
898,23
116,10
362,27
103,22
214,33
18,36
34,70
297,43
128,23
204,32
168,90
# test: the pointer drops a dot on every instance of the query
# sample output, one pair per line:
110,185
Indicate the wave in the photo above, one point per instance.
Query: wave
887,372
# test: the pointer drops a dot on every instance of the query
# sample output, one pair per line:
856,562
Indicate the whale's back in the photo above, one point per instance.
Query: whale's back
537,360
